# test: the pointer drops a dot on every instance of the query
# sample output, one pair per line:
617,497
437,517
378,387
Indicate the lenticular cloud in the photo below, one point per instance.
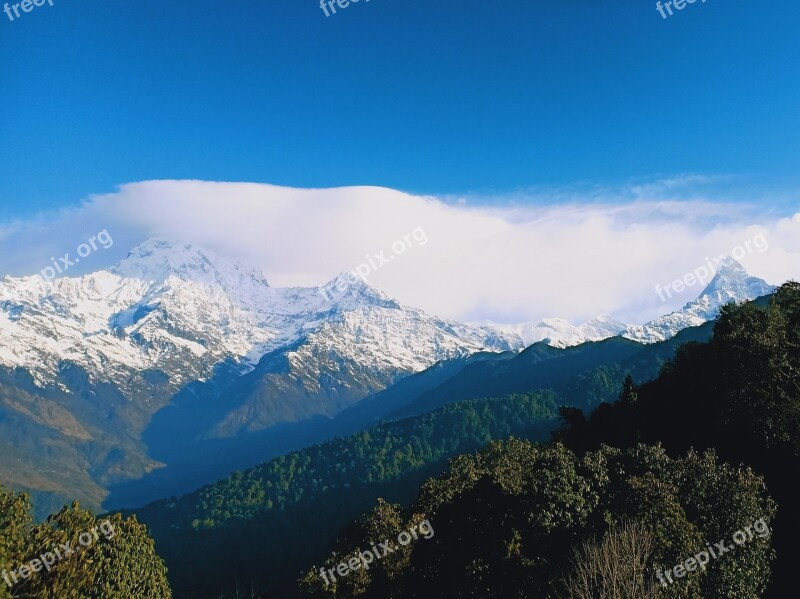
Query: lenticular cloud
506,263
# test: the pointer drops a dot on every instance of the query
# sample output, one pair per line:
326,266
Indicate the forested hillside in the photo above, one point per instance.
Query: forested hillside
738,394
588,520
261,527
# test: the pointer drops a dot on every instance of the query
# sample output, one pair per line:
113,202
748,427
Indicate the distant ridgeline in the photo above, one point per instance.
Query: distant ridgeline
279,517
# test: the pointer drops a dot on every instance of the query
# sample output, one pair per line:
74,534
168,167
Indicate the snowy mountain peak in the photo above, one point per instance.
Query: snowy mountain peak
603,320
732,265
562,333
156,260
349,291
183,310
732,283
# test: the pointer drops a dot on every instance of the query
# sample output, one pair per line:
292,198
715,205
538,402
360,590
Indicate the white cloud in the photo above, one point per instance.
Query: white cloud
505,263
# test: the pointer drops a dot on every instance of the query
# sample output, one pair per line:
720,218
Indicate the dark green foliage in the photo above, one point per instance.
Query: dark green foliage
628,395
582,376
739,394
15,521
507,518
380,454
277,517
113,558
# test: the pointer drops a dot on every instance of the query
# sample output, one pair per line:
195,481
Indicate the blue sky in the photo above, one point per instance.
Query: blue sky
439,97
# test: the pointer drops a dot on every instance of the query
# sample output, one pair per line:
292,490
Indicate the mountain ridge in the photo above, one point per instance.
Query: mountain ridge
175,351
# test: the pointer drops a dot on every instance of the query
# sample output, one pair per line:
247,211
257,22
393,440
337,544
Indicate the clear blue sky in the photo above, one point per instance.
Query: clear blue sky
432,96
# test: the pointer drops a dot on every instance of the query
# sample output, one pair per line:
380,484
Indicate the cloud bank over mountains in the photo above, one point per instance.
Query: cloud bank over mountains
507,263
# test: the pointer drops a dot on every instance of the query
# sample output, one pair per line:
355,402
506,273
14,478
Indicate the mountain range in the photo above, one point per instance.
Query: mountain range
730,283
176,356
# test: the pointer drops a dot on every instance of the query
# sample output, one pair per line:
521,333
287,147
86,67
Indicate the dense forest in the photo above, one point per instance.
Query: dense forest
276,518
510,521
738,394
623,497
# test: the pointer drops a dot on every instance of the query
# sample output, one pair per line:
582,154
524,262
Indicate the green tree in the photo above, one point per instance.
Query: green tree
112,558
14,523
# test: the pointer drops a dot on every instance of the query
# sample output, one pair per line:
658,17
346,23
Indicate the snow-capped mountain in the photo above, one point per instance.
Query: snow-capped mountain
558,332
181,310
174,352
120,371
731,283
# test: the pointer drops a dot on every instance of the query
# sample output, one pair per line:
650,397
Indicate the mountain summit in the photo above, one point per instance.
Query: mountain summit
156,260
183,310
731,283
558,332
175,345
